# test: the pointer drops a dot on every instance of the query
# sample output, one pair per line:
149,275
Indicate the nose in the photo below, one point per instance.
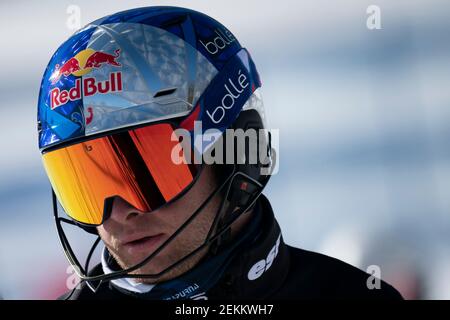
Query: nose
123,212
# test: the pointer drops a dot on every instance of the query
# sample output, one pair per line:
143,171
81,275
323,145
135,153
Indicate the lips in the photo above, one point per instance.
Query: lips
143,244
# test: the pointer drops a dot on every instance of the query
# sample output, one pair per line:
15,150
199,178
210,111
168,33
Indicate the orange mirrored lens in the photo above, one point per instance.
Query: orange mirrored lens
135,165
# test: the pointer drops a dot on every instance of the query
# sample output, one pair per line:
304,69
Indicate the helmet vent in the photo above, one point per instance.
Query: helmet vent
164,92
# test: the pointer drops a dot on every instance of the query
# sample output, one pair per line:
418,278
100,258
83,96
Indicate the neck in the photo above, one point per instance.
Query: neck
240,223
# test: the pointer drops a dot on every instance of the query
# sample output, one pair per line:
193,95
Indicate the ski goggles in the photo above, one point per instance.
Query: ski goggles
135,165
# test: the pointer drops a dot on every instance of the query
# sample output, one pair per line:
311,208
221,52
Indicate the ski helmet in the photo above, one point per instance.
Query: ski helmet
111,100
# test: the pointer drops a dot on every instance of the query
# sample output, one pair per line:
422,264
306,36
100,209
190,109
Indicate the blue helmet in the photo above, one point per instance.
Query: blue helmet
145,65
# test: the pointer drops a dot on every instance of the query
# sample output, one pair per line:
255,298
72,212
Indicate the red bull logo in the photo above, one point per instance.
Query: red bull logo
84,62
79,65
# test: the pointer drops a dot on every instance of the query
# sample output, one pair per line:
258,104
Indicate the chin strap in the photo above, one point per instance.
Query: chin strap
240,192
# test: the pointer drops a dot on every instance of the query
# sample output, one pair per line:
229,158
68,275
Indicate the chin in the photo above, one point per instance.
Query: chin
155,266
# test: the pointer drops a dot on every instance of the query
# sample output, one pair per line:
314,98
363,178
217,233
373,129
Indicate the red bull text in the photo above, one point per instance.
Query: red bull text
89,87
80,65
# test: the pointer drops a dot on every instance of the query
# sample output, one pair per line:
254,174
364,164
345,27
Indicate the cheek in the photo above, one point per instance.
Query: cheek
110,228
173,218
183,208
104,235
180,210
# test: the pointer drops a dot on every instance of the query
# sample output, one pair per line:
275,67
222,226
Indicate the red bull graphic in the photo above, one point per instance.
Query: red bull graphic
83,62
72,65
97,59
90,87
79,65
90,115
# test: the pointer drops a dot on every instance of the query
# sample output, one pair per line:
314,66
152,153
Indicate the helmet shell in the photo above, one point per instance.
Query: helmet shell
133,67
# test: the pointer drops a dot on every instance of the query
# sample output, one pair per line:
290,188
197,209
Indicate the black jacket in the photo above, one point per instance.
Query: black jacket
270,269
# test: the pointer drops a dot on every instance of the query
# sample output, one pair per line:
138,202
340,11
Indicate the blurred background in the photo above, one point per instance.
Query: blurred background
364,119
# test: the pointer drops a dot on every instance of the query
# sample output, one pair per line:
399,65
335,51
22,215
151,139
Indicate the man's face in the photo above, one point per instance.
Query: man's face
132,235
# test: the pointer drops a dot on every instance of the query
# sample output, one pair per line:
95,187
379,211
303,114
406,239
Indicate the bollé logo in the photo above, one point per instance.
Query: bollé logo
229,99
224,38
